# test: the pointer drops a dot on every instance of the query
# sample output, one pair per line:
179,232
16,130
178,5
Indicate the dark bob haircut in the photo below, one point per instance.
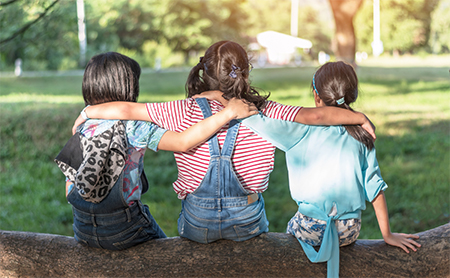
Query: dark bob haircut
109,77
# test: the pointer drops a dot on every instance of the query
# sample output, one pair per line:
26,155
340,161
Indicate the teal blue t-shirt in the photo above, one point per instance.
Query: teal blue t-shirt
326,166
331,176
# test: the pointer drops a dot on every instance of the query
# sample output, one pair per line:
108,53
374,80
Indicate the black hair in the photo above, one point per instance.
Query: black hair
225,67
337,80
109,77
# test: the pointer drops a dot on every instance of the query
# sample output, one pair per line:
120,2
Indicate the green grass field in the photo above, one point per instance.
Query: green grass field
408,102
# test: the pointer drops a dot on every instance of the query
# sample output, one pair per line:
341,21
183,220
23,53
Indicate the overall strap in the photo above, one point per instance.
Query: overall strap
213,143
230,139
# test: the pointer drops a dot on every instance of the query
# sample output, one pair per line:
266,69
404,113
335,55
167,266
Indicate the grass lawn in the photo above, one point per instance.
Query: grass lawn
408,102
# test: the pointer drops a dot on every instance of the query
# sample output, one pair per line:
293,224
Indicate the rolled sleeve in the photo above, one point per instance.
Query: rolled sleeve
144,135
374,183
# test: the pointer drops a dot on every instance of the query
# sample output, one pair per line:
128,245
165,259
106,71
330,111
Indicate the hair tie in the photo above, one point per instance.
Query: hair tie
314,84
233,71
340,101
203,65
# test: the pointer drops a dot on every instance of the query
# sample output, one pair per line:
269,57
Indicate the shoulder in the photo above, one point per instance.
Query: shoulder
168,104
143,134
280,111
93,127
133,127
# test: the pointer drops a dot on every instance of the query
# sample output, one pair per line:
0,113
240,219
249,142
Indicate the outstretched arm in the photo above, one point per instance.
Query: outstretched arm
198,133
334,116
171,141
315,116
120,110
403,241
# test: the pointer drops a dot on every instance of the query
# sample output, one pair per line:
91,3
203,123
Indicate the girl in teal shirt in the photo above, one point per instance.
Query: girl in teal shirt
333,171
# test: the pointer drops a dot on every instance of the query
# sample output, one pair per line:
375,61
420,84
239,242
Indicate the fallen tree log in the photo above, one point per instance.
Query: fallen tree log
24,254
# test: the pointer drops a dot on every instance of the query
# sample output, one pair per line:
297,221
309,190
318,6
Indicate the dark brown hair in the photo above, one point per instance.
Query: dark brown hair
334,81
109,77
217,67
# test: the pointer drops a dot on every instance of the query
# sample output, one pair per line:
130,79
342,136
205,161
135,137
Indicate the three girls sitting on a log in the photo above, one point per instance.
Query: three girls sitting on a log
332,169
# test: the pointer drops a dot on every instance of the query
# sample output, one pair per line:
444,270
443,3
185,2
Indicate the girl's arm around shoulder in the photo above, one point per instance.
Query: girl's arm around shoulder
202,131
117,110
403,241
334,116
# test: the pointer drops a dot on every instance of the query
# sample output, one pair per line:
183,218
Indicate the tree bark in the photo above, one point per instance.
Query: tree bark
24,254
345,40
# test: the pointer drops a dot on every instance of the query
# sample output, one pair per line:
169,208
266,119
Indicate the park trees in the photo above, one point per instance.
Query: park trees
191,26
38,30
405,25
44,32
141,29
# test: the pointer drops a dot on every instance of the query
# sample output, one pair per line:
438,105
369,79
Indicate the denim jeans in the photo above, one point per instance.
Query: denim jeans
112,224
220,208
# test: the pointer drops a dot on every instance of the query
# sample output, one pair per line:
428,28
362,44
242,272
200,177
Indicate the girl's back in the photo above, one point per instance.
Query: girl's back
326,165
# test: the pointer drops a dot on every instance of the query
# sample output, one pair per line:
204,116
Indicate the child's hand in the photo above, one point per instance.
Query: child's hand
240,108
78,122
369,127
403,241
213,95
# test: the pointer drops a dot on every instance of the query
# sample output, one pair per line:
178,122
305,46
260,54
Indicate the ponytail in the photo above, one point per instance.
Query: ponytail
225,68
194,82
360,134
336,84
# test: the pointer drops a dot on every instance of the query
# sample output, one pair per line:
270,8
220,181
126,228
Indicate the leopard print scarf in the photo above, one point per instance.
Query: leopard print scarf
103,161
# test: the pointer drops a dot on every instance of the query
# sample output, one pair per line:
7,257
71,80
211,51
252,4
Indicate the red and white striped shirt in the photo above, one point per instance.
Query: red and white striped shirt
253,157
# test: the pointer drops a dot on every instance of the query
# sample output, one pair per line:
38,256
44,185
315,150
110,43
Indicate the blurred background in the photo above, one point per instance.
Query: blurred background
400,49
64,34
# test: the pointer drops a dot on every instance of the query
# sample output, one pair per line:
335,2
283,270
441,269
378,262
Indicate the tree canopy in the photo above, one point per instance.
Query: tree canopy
43,33
405,25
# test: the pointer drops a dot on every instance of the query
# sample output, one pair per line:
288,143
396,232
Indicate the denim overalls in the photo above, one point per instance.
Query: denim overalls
220,208
112,224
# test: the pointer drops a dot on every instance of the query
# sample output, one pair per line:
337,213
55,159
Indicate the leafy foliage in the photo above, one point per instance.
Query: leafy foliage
405,25
177,30
440,37
48,43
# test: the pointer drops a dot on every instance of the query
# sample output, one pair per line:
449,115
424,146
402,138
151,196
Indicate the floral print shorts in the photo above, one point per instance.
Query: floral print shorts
311,230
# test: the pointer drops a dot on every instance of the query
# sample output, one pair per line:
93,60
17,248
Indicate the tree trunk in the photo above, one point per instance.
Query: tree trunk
345,40
24,254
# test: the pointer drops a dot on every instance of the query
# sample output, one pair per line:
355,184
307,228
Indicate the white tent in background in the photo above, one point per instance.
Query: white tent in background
281,47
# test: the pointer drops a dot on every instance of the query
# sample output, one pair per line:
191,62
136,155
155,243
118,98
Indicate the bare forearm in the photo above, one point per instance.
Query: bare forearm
329,116
334,116
120,110
195,134
381,211
404,241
